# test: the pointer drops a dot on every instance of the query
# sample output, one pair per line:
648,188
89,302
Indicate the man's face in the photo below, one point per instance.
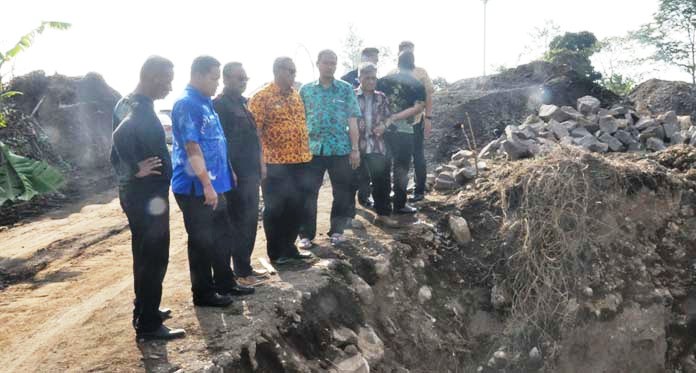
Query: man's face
368,81
236,81
163,84
327,65
408,49
286,74
210,81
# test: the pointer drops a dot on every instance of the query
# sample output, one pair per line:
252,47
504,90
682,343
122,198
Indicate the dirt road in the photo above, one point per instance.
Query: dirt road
70,306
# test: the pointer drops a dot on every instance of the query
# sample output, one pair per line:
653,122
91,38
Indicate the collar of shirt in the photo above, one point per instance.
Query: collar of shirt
359,92
276,91
192,92
318,83
141,99
233,96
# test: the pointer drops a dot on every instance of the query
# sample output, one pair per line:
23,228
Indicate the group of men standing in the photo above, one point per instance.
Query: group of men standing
284,141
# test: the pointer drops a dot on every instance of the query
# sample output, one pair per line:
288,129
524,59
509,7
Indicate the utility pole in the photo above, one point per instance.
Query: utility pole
485,3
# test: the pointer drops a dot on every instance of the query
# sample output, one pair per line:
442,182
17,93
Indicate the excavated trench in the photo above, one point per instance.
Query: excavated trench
426,303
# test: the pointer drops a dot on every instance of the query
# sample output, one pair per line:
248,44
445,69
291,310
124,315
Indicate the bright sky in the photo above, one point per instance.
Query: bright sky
115,37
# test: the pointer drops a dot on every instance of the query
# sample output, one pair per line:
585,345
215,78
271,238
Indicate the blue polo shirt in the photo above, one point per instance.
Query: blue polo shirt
327,111
195,120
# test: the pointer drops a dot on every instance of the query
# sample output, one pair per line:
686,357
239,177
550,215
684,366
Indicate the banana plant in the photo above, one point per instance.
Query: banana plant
28,39
22,178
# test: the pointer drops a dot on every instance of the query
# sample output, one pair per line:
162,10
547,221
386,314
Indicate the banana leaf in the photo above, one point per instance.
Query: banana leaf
23,178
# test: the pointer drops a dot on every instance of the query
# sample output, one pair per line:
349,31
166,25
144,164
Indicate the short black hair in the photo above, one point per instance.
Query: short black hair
202,65
369,51
154,65
405,44
281,62
227,70
326,52
366,67
407,61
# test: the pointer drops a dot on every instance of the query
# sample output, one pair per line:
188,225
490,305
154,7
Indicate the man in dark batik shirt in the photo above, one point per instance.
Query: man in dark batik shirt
406,99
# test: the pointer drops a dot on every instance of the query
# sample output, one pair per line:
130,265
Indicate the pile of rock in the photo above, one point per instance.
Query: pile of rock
617,129
462,168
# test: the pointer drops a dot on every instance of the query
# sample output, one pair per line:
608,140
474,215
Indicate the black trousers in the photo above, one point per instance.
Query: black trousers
401,148
379,169
340,174
209,249
360,184
243,209
284,192
362,178
147,207
419,166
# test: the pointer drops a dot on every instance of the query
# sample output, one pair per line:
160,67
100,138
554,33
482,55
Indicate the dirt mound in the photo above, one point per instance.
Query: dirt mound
583,276
74,112
659,96
503,99
65,121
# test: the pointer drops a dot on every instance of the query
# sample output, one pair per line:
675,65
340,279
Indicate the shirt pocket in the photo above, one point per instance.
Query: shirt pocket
210,128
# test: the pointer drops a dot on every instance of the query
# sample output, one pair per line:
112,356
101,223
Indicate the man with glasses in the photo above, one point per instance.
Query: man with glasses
280,121
244,153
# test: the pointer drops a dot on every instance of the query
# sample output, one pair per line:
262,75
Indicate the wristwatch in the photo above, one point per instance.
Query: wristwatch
429,117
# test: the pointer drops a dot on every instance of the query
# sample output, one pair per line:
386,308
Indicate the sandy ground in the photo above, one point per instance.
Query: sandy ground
75,313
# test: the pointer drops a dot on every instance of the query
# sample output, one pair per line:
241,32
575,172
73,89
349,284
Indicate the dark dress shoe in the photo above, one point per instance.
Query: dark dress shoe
302,255
160,333
407,210
416,198
215,300
240,290
366,203
165,313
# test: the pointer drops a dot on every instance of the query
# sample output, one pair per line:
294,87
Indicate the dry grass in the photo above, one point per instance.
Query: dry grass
552,209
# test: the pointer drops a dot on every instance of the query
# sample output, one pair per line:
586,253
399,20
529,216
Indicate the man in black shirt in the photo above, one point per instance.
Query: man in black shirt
406,97
143,167
244,153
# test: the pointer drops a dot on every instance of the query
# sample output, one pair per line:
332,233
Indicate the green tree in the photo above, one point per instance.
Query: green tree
623,62
673,34
440,83
353,45
619,84
539,39
574,50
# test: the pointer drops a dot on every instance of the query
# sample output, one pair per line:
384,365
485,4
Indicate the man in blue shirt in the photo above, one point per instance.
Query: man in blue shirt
201,176
332,111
